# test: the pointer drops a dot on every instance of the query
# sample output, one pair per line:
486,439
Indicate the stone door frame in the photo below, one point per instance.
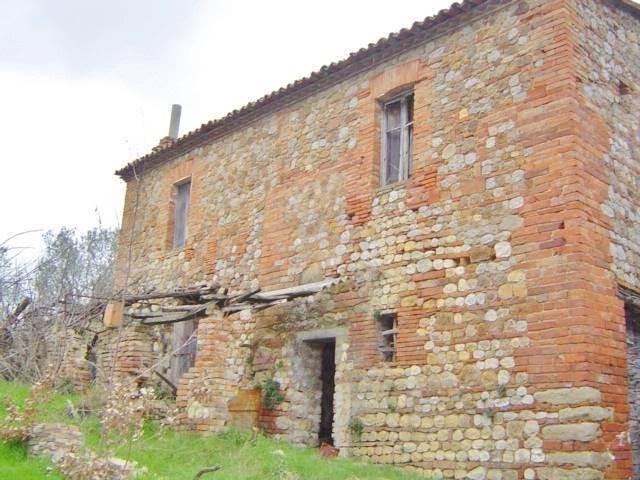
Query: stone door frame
341,397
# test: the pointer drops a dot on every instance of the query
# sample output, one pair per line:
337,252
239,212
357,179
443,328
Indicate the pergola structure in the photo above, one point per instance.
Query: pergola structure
200,299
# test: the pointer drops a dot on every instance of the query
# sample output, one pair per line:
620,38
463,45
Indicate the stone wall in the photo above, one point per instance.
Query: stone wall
609,88
135,351
65,443
68,352
500,255
55,440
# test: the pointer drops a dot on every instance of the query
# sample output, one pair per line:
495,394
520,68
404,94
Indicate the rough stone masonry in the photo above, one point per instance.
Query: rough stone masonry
499,258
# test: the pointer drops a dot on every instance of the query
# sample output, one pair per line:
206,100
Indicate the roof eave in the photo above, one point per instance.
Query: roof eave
357,62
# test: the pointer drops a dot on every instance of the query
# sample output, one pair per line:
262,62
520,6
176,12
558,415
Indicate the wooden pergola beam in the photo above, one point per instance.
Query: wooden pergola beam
253,299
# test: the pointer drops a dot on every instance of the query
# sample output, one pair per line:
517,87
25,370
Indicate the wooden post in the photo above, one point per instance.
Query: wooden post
113,314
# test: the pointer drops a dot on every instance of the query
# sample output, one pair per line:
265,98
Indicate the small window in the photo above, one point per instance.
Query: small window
388,331
180,214
397,138
623,88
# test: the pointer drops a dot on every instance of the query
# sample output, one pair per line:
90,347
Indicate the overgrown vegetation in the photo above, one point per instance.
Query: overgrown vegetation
271,393
20,417
38,297
171,455
14,459
356,428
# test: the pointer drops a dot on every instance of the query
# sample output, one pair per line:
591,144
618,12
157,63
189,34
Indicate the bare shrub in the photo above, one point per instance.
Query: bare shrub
62,286
124,412
18,423
88,465
123,409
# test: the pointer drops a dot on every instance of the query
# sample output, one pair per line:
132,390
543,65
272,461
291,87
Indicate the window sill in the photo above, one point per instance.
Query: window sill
176,251
391,186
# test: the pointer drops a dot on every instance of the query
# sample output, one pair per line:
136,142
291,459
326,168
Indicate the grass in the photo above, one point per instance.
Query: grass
14,460
170,455
16,464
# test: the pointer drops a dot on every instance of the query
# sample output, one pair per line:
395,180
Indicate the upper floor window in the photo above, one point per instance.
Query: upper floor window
397,138
180,213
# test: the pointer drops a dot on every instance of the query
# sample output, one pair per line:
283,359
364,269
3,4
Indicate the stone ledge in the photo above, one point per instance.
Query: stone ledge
599,460
581,432
563,474
595,414
569,396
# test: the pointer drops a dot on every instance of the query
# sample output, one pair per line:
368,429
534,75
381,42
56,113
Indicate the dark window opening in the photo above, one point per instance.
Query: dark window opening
388,331
397,138
181,212
623,88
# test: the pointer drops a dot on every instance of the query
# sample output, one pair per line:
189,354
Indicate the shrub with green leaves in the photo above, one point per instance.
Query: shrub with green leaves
356,427
271,394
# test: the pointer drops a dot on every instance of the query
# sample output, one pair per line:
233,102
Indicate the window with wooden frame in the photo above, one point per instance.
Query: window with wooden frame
387,334
397,138
180,213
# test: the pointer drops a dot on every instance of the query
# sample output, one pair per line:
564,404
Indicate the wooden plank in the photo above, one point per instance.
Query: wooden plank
143,315
173,388
300,290
179,308
184,344
187,292
168,319
387,349
242,297
247,306
113,314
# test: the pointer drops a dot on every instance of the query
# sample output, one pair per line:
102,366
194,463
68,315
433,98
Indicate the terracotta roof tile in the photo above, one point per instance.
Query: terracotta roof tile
362,60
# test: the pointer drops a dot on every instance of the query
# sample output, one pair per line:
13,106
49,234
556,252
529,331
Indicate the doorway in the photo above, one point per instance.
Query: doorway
319,408
184,349
632,321
328,379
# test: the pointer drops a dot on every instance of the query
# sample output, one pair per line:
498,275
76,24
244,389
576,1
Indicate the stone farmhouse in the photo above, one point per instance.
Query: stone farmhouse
457,207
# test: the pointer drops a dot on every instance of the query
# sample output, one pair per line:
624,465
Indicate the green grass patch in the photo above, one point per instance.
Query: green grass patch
14,460
171,455
179,455
55,410
16,464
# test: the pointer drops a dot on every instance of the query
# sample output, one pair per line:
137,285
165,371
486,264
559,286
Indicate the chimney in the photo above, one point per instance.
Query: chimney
174,126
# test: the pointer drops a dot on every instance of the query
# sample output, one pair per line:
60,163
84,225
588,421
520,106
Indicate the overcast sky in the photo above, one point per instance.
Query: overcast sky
86,85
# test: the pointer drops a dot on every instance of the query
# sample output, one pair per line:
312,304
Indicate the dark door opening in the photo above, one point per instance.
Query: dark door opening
91,359
328,377
632,320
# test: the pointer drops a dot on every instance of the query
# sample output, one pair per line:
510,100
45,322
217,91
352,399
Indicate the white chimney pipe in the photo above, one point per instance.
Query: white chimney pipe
174,126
